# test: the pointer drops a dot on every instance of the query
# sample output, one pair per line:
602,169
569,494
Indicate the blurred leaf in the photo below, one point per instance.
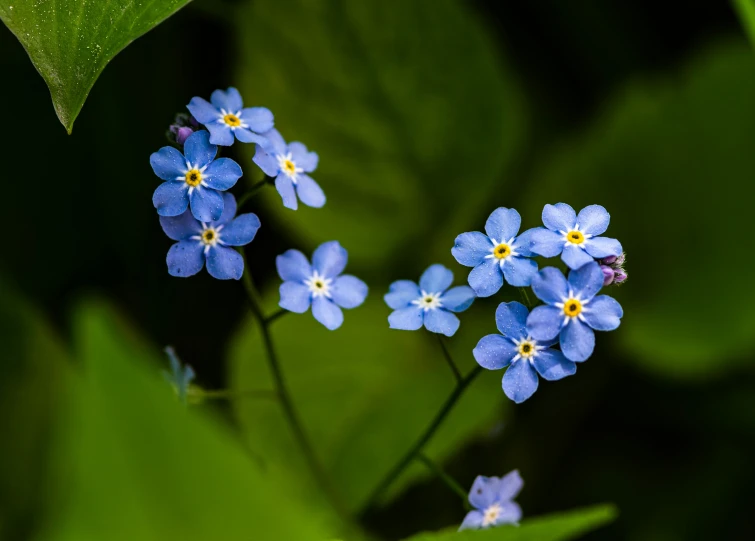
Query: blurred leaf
555,527
71,41
133,463
365,393
411,109
674,164
746,11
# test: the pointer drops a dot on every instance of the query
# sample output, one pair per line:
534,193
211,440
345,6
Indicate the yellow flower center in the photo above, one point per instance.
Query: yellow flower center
232,120
502,251
289,167
193,178
209,236
572,308
575,237
318,284
526,349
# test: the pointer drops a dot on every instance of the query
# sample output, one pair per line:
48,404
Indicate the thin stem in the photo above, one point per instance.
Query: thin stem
443,476
429,432
254,190
449,360
275,315
228,394
526,297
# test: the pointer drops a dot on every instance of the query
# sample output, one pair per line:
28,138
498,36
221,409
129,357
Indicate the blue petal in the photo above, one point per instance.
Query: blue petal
575,257
171,198
603,313
544,322
599,247
329,259
185,258
406,319
510,486
229,210
206,204
275,143
309,191
503,224
577,341
327,313
230,100
559,217
549,285
259,119
586,281
295,296
222,174
511,319
435,279
471,248
519,271
441,321
349,291
552,365
198,150
494,352
203,110
225,263
401,294
266,162
520,381
545,242
458,299
302,158
180,227
486,279
523,243
510,513
473,521
293,265
285,187
248,136
220,133
241,230
484,491
168,163
593,220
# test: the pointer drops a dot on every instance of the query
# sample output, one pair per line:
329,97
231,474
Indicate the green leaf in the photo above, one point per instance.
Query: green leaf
413,112
555,527
71,41
673,162
746,11
365,393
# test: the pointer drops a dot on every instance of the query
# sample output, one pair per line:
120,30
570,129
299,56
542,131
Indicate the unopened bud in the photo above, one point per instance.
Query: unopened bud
620,276
608,275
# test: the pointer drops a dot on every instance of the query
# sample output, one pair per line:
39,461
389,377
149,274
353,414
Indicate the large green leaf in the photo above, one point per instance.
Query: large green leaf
555,527
674,164
71,41
411,109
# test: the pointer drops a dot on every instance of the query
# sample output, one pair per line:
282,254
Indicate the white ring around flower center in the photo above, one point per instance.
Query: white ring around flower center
575,229
209,237
527,348
491,514
509,243
237,114
192,167
318,285
428,301
288,166
571,296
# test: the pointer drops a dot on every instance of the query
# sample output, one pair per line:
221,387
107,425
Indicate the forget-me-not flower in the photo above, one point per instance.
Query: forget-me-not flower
574,236
289,164
430,303
226,118
320,284
200,242
180,377
193,178
492,499
524,356
572,310
499,254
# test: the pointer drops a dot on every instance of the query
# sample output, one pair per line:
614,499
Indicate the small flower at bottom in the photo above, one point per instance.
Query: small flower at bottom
180,376
524,356
226,118
200,242
430,303
320,284
288,165
572,310
492,499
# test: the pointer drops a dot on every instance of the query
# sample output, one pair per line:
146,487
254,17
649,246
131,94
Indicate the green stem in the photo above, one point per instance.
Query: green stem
449,360
429,432
253,190
526,297
443,476
228,394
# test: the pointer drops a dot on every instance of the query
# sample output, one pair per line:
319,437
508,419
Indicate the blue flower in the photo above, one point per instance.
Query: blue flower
179,376
499,254
574,236
572,310
227,117
194,177
524,356
428,303
319,284
200,241
492,499
287,164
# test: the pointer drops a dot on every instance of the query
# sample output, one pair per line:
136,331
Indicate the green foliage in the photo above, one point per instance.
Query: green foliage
411,110
674,163
71,41
746,11
555,527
